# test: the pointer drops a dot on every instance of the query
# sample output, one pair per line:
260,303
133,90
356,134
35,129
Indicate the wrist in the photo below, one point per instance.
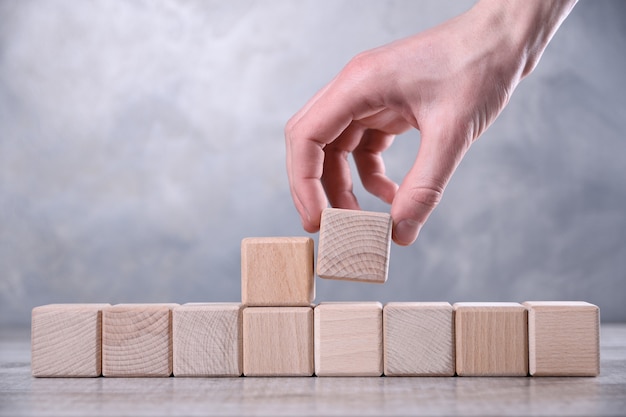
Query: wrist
527,25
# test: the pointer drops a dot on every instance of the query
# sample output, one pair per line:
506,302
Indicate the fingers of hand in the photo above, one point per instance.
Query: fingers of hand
307,133
421,191
304,168
371,167
336,177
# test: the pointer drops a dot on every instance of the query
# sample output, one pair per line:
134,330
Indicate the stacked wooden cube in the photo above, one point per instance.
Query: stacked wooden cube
277,331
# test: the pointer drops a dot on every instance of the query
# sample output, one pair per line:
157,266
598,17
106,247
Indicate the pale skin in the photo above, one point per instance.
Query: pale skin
450,82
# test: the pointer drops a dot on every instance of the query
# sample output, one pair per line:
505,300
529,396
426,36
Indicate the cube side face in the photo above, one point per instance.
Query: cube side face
278,341
137,341
207,341
354,245
491,341
277,271
418,339
66,341
564,340
348,340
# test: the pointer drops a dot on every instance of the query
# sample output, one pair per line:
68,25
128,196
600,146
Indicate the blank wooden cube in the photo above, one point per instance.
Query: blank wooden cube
348,339
354,245
137,340
277,271
491,339
66,340
564,338
207,339
278,341
418,339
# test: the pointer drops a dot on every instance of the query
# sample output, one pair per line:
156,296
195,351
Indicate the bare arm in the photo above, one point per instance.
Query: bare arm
450,82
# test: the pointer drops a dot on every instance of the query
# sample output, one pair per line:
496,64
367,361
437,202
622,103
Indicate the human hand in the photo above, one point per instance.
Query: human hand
450,82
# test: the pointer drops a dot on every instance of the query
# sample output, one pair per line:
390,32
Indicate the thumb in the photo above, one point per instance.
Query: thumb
421,190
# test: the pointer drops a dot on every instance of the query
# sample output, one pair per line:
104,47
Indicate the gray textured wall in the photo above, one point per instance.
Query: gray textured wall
140,141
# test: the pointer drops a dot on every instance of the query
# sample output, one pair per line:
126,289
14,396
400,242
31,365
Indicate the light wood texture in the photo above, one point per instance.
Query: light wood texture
207,339
354,245
418,339
348,339
66,340
491,339
278,341
277,271
23,395
137,340
563,338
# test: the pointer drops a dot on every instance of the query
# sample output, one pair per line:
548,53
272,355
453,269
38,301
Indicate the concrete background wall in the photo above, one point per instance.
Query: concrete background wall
140,141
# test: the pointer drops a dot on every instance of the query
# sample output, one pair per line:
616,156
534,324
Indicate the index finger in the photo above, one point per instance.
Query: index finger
322,120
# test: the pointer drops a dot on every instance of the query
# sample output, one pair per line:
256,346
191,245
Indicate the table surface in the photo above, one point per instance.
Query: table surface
23,395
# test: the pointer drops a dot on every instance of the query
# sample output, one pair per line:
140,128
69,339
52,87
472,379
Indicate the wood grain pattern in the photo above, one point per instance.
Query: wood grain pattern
563,338
66,340
137,340
491,339
418,339
348,339
354,245
207,339
277,271
23,395
278,341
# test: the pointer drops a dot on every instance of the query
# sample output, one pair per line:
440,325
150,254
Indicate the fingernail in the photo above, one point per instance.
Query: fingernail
406,232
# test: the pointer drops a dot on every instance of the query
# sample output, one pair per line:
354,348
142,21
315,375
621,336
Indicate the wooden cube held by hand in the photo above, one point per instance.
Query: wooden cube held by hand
354,245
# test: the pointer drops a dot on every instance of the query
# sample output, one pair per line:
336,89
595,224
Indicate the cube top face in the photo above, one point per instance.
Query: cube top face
137,340
354,245
209,307
207,340
419,305
278,341
348,339
66,340
56,308
564,338
491,339
277,271
349,306
147,307
560,305
419,339
489,306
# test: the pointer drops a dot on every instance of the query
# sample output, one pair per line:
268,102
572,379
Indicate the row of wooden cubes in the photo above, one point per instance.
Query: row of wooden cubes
330,339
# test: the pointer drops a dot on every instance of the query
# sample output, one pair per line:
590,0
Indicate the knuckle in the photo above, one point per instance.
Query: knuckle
426,195
360,62
361,66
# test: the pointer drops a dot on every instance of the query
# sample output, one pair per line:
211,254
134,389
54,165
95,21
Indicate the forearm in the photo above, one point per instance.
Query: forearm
529,24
